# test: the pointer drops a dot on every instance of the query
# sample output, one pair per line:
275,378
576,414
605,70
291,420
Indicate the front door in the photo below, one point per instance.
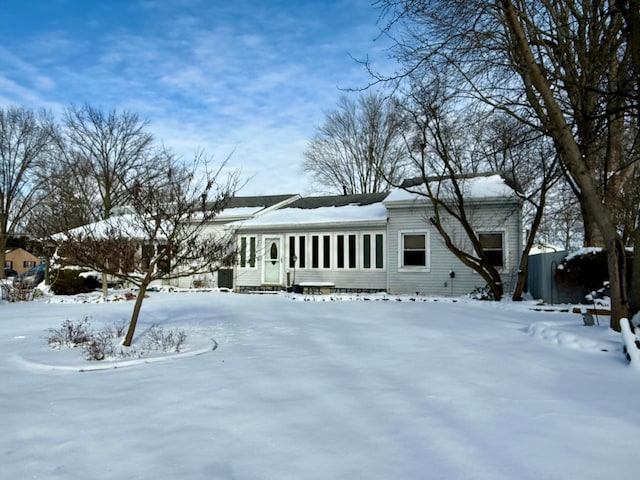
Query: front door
272,263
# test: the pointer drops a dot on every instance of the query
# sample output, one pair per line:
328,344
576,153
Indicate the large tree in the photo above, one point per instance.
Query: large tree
163,236
565,67
24,142
358,148
102,153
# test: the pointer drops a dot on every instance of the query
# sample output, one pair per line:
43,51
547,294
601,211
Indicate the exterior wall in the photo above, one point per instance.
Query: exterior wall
435,278
18,259
351,274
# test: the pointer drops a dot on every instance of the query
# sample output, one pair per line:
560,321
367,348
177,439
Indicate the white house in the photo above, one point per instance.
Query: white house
377,242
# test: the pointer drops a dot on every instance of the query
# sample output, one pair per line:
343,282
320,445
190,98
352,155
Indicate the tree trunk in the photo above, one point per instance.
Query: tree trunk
522,277
592,235
136,313
105,287
634,295
3,250
556,125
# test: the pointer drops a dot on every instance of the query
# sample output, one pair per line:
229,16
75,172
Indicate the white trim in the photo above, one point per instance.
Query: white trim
264,258
427,246
505,255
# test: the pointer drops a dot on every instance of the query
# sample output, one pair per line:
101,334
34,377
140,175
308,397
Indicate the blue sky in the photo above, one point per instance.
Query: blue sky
248,78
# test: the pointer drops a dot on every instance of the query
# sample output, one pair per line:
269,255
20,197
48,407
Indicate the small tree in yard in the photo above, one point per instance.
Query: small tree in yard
164,236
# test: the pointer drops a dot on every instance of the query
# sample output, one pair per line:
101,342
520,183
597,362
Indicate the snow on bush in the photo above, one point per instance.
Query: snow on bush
106,344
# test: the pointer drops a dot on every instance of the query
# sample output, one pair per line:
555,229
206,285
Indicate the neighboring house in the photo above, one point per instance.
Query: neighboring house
20,260
377,242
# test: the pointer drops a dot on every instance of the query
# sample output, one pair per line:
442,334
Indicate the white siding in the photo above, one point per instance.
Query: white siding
436,279
353,277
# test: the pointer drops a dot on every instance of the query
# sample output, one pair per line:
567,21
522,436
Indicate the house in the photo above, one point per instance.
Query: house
20,260
377,242
364,243
338,240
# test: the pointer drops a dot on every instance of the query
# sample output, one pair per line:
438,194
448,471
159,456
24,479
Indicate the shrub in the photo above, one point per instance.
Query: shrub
157,339
99,346
70,334
71,282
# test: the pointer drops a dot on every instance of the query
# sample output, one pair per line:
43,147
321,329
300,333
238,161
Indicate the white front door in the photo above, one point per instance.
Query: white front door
272,261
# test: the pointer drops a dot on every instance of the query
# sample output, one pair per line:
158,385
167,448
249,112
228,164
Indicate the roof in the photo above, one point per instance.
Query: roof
474,187
333,209
264,201
339,200
246,207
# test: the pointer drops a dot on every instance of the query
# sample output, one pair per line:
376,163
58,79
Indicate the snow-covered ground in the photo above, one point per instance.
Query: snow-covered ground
303,390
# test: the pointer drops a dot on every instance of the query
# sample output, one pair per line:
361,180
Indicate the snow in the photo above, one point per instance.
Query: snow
481,187
320,387
375,212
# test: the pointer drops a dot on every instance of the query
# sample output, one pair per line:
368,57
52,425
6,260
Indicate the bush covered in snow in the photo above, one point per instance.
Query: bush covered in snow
106,343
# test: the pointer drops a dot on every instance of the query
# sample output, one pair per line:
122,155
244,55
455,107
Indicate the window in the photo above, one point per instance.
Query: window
326,250
8,264
414,248
321,251
297,252
147,253
315,251
302,252
492,248
346,251
28,264
372,251
247,252
292,252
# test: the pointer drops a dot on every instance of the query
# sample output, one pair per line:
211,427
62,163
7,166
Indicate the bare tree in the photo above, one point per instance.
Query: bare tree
103,153
522,153
562,66
444,150
359,147
163,236
24,140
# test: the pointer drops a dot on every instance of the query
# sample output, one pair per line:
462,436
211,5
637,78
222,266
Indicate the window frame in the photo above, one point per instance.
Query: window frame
427,251
347,253
247,252
376,262
503,249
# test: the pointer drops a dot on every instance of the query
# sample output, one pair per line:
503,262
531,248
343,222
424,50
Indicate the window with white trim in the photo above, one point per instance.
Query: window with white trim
297,251
493,247
346,251
247,252
414,250
372,250
320,251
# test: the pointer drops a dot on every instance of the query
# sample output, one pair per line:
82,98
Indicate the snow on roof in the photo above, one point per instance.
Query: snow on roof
239,212
129,225
303,216
480,187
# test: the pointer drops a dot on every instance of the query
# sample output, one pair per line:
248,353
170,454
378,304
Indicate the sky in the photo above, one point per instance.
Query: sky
246,79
